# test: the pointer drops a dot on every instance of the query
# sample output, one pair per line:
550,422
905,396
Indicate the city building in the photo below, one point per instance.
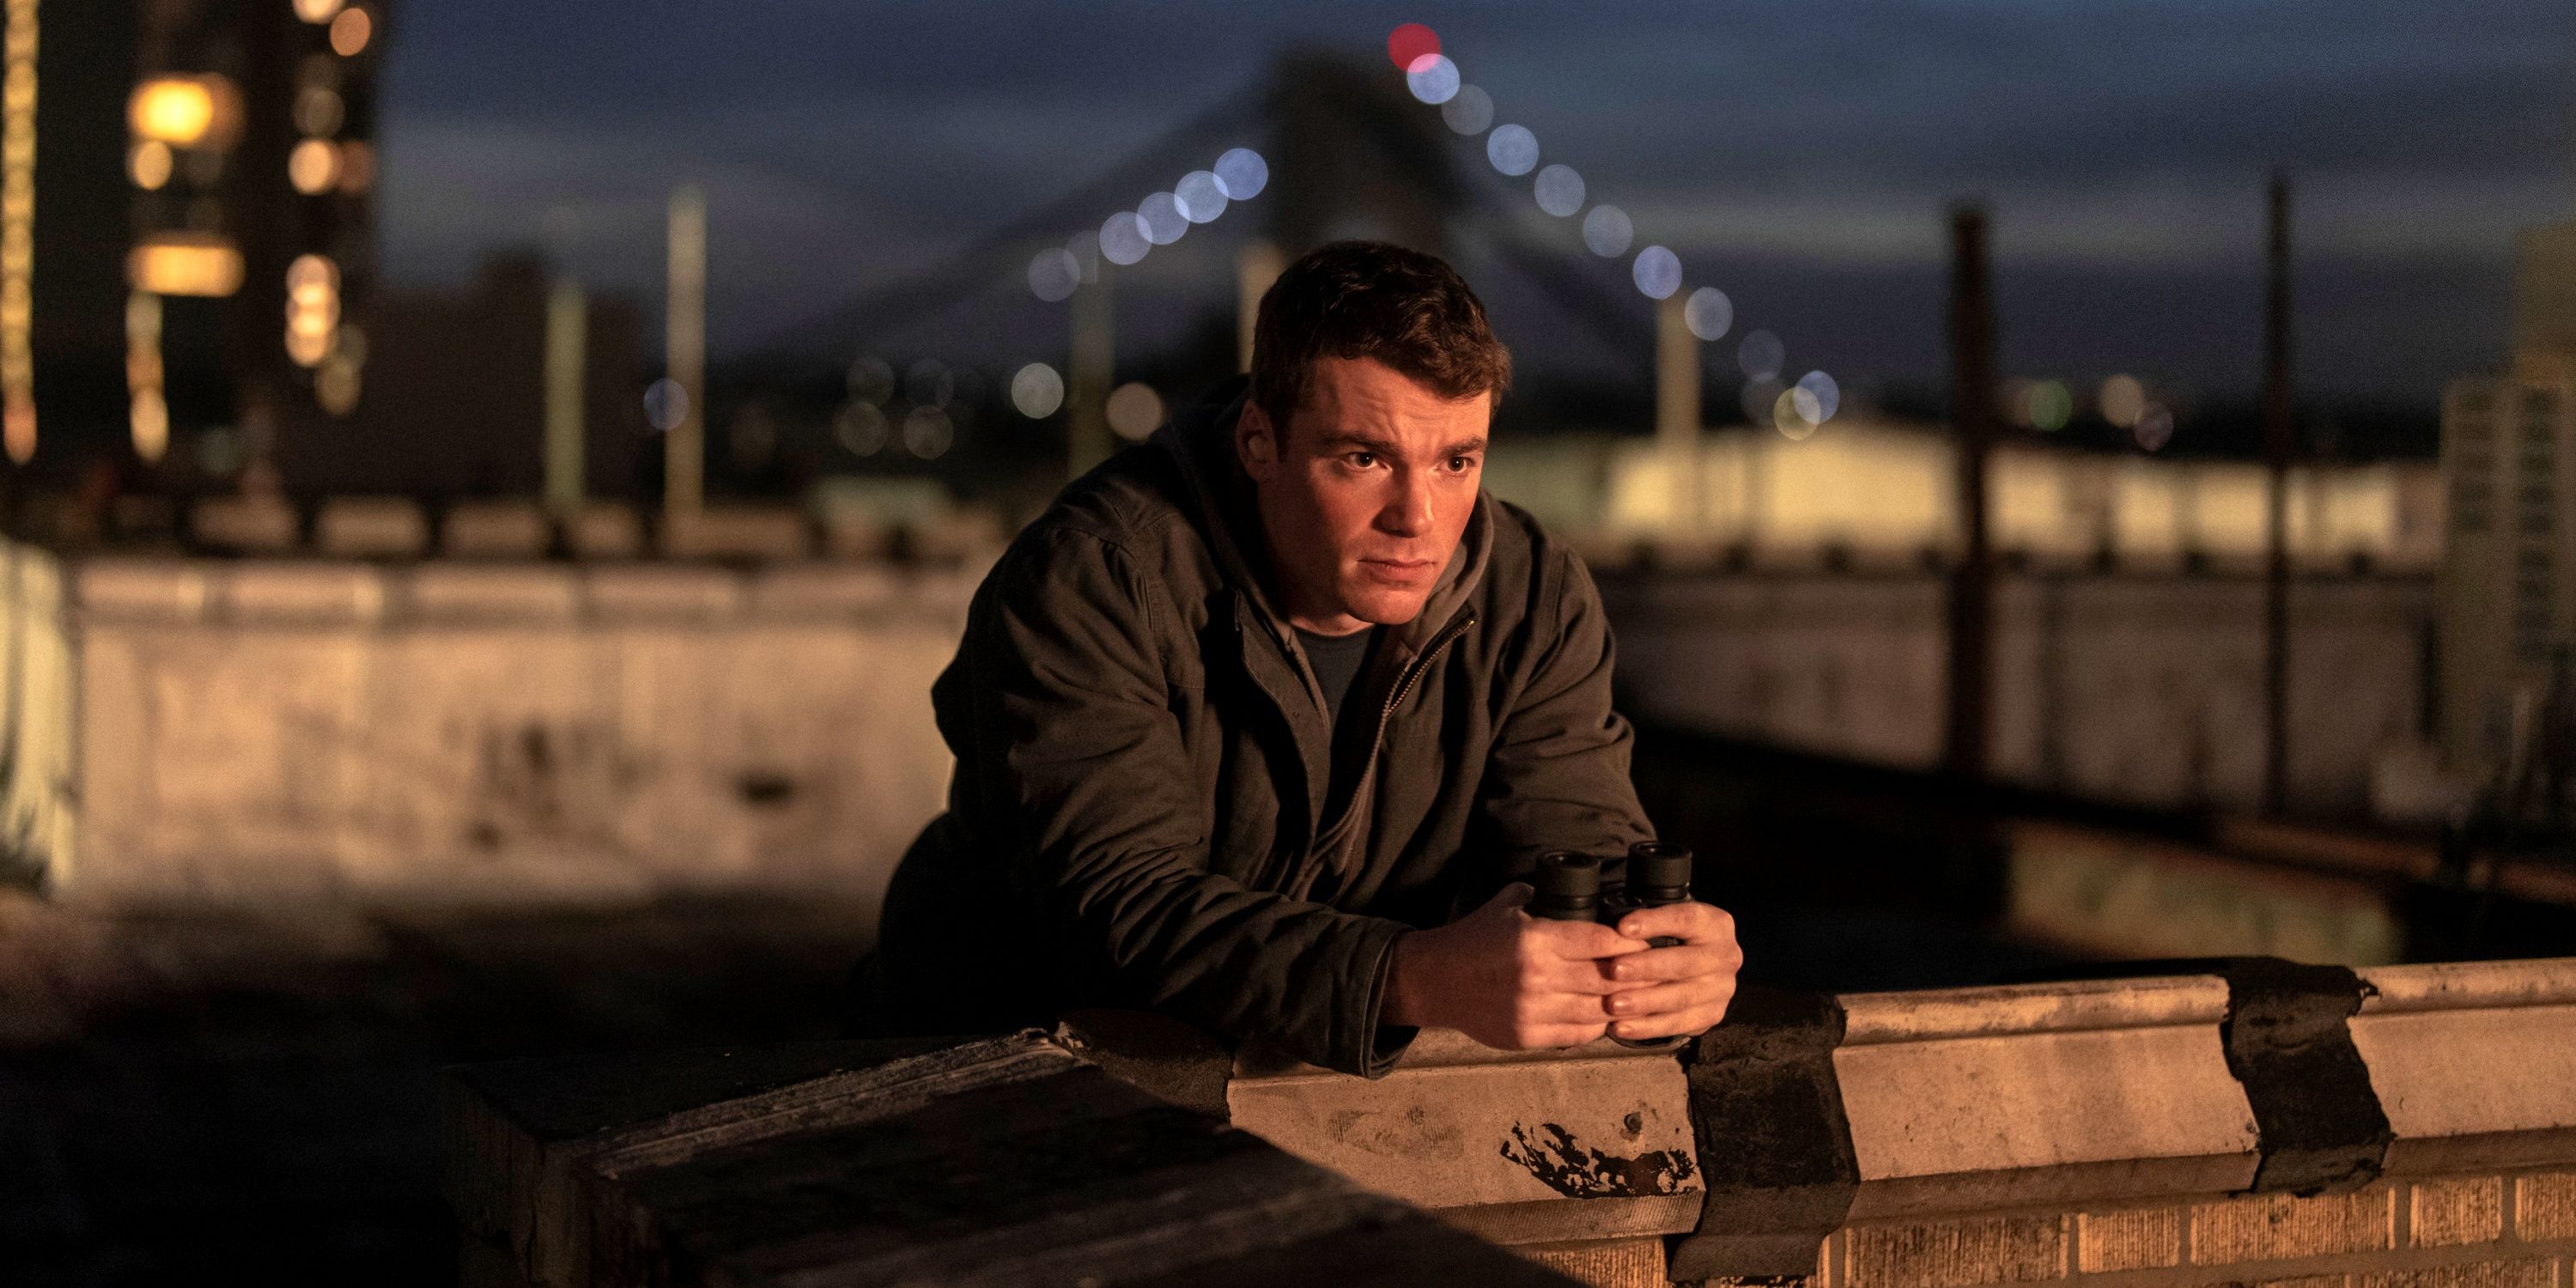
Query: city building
2508,587
186,228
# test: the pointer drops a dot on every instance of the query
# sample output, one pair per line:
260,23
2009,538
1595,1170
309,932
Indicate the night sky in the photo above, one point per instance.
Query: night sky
1799,156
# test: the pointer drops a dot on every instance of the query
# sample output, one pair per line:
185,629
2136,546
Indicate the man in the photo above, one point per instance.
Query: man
1254,704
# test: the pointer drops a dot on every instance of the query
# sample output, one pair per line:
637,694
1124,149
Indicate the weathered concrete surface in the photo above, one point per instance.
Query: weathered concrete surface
1991,1098
498,732
1496,1142
2131,688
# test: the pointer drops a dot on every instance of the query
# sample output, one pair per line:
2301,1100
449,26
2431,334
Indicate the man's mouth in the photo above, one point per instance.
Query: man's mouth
1403,569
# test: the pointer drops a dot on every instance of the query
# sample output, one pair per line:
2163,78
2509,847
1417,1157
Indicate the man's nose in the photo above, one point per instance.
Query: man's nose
1408,512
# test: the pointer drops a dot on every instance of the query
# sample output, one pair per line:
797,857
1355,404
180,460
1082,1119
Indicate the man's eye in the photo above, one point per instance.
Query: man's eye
1461,464
1361,460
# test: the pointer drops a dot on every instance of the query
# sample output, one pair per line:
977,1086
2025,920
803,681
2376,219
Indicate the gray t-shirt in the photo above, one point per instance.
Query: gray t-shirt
1337,660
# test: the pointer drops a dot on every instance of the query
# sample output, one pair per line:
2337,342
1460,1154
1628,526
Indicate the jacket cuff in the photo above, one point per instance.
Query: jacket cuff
1362,1045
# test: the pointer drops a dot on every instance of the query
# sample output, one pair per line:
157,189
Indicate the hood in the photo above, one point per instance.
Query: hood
1201,439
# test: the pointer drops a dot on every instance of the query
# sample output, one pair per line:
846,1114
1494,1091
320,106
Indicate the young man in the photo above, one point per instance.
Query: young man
1255,706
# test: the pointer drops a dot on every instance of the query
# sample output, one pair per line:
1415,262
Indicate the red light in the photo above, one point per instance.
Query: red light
1410,43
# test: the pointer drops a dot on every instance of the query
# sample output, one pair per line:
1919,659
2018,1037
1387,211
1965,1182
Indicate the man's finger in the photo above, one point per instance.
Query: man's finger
1682,961
1664,999
1694,922
1696,1020
1584,940
1588,978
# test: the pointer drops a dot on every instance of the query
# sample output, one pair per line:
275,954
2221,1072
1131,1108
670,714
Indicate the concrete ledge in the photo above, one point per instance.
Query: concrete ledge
605,532
2474,1063
738,532
1497,1143
495,530
529,593
303,593
665,593
1002,1161
164,590
823,590
248,524
2032,1133
371,527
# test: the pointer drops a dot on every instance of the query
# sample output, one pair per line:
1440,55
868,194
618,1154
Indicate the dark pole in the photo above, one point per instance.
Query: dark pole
1972,413
2279,444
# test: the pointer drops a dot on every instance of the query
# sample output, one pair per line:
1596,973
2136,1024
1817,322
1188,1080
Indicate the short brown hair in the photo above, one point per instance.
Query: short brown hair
1364,299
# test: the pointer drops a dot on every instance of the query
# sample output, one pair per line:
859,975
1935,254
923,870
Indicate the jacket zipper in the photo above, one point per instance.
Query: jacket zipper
1413,673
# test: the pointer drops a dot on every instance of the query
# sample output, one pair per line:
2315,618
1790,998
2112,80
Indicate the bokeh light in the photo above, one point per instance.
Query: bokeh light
1122,238
1512,149
1242,174
2050,405
928,383
313,167
1200,196
1658,272
1135,411
316,12
862,428
871,379
2155,426
1469,111
149,164
2123,399
1822,396
1160,216
928,433
1409,44
1759,355
1786,417
1053,274
320,110
1607,232
1709,313
1037,391
349,32
666,404
1559,190
1432,78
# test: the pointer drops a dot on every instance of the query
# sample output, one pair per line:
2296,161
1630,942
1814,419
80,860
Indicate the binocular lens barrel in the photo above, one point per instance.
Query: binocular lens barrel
1568,885
1659,873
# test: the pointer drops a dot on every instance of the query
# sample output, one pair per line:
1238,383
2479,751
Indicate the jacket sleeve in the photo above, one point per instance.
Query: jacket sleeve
1091,794
1557,777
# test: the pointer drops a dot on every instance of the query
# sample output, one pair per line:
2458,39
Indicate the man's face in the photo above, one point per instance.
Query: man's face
1365,492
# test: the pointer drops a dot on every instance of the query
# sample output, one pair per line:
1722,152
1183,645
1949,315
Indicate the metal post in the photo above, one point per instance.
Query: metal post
685,356
2279,443
567,345
1093,361
1972,414
1255,269
1677,411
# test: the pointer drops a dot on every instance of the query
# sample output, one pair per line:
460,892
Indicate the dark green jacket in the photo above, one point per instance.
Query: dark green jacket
1144,813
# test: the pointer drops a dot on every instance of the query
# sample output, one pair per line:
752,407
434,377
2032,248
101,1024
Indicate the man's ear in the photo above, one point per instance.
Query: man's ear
1256,441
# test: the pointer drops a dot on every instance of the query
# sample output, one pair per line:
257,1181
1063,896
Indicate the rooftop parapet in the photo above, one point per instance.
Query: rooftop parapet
2252,1120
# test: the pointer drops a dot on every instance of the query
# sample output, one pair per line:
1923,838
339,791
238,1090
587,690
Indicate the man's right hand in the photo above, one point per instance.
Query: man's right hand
1507,979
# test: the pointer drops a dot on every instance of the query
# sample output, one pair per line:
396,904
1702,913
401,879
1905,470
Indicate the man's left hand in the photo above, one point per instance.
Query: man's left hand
1692,981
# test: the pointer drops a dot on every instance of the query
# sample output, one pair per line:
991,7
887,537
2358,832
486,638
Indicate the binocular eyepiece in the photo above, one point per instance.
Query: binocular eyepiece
1571,886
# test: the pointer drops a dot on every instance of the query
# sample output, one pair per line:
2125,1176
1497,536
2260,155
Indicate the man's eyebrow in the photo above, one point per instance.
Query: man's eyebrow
1348,441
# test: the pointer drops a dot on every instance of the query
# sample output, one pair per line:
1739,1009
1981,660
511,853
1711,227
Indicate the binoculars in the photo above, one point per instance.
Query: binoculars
1570,886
